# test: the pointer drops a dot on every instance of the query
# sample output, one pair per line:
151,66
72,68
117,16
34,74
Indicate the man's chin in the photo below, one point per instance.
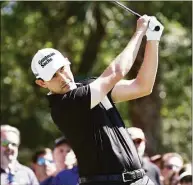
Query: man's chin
11,158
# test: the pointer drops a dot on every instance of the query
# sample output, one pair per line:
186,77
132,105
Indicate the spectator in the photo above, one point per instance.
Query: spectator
185,175
152,170
64,159
12,172
43,165
61,149
70,175
171,165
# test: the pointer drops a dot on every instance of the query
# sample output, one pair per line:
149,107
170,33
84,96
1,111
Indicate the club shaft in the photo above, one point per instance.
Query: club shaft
127,9
157,28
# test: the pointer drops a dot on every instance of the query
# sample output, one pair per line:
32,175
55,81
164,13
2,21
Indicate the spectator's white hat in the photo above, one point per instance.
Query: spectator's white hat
187,172
136,133
46,62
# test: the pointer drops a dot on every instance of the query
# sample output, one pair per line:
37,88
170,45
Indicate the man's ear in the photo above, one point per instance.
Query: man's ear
41,83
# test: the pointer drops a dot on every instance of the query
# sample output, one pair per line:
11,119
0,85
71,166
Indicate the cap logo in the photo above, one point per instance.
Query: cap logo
47,59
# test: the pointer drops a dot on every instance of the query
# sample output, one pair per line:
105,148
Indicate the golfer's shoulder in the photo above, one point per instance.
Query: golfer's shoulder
86,80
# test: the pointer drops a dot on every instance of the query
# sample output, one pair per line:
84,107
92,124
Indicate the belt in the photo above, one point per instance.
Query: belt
124,177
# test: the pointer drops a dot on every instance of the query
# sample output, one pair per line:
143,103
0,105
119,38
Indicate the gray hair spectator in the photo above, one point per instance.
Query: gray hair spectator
12,172
171,165
138,137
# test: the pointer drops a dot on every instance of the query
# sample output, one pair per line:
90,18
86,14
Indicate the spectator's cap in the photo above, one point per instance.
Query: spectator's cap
136,133
186,172
60,141
46,62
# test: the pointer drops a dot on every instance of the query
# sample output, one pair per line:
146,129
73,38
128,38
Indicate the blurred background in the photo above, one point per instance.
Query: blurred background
91,34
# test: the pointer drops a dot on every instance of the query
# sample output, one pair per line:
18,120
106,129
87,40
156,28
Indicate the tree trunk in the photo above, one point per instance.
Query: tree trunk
92,45
145,112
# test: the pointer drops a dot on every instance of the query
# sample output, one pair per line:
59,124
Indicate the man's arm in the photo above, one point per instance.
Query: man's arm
142,85
120,65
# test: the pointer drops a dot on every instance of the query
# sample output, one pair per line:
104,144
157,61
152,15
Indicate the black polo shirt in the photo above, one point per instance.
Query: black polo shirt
98,136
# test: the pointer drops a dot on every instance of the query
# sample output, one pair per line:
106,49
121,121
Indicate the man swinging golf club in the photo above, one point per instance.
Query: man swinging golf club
85,111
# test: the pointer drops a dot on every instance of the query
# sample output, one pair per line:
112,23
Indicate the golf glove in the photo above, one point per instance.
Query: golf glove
151,33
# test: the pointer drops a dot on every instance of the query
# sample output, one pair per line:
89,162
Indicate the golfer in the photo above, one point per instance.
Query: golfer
85,112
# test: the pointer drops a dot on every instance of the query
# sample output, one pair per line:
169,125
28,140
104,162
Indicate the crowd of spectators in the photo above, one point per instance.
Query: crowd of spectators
58,166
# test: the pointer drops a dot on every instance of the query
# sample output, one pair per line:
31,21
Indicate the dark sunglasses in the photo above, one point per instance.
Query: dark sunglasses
6,143
42,161
137,141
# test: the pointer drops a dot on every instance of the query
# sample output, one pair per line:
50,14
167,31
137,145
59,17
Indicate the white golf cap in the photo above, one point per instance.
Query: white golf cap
187,172
46,62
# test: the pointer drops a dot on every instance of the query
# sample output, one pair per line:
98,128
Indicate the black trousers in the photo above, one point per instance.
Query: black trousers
143,181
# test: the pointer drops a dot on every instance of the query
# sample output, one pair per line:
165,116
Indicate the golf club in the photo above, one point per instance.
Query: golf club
157,28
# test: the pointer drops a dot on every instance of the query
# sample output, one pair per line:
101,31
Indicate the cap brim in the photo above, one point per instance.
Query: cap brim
185,174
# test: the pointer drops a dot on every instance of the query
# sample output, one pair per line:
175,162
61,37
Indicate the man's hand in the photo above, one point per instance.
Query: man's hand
142,23
151,33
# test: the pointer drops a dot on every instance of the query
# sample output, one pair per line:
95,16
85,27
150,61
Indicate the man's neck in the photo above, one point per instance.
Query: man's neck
60,167
73,86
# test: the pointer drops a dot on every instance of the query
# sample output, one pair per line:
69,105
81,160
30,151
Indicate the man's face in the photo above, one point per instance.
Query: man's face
45,165
60,153
9,147
61,82
140,146
171,166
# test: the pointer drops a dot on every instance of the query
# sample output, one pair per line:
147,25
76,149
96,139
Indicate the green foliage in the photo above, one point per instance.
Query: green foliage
176,89
68,26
